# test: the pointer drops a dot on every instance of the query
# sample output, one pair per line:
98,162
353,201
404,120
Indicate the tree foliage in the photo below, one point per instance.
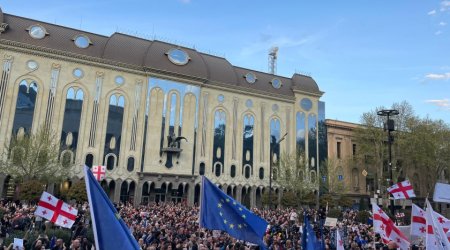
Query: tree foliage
34,157
293,175
420,150
31,190
77,192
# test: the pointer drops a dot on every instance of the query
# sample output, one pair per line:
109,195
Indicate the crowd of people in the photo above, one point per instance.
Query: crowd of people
176,226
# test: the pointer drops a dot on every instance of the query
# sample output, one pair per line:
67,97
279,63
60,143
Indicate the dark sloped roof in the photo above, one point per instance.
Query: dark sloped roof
151,55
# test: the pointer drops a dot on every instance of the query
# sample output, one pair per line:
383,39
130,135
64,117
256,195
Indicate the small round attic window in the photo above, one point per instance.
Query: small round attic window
250,77
119,80
178,56
276,83
37,31
82,41
306,104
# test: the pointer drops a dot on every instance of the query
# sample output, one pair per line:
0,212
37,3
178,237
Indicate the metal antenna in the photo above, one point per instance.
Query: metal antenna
273,54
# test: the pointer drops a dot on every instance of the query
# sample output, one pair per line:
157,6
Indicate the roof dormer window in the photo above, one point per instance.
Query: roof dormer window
82,41
37,31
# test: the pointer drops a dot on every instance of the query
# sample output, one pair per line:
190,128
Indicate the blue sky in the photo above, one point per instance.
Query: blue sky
363,54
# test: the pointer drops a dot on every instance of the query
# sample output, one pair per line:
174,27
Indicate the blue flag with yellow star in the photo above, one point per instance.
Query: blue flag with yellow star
218,211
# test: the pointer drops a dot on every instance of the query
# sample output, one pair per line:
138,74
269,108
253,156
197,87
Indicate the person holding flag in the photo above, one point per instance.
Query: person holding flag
218,211
110,231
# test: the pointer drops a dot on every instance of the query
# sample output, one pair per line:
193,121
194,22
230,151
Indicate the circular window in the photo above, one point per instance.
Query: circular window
32,65
275,107
249,103
78,73
250,77
37,31
82,41
220,98
119,80
306,104
178,56
276,83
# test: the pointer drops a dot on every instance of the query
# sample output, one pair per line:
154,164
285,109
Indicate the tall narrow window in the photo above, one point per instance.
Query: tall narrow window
275,128
247,172
72,119
25,106
219,138
300,133
261,173
247,141
130,164
172,113
233,171
89,160
354,149
201,169
312,140
114,129
338,150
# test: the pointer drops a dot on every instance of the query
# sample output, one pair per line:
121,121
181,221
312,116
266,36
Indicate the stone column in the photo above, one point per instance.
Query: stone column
239,193
191,193
117,190
138,193
253,197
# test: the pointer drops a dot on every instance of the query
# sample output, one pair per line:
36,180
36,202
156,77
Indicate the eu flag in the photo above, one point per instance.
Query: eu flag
218,211
110,231
309,239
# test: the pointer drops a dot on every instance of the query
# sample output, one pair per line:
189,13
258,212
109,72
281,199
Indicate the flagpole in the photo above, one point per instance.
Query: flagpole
91,207
200,223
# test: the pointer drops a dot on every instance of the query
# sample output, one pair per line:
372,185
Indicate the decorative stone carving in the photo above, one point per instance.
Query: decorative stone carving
3,27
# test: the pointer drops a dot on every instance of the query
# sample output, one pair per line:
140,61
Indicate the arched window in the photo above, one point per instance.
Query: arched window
217,169
114,125
25,106
247,172
275,130
261,173
172,113
300,133
312,139
219,137
233,171
72,118
130,164
201,169
110,162
247,140
89,160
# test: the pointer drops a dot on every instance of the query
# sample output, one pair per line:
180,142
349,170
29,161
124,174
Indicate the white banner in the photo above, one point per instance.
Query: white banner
441,193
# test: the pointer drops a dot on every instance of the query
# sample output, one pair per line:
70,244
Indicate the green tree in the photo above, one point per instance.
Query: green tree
420,146
34,157
292,174
31,190
77,192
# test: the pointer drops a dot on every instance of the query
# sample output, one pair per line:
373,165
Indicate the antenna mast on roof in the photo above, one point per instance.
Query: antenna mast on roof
273,54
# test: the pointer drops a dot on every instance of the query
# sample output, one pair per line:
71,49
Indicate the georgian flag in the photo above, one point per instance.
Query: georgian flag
402,190
418,221
386,228
99,172
436,237
339,242
56,211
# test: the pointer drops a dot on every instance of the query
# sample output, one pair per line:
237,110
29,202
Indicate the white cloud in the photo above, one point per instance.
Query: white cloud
442,23
445,5
432,76
437,33
443,103
432,12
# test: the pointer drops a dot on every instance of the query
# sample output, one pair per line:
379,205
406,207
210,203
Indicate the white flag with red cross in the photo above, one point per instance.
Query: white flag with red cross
99,172
402,190
386,228
56,211
418,221
339,241
436,237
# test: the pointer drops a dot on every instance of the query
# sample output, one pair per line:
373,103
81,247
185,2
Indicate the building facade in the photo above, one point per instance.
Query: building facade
157,115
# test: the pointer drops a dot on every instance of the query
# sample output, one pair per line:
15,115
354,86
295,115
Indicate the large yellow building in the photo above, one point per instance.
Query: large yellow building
125,102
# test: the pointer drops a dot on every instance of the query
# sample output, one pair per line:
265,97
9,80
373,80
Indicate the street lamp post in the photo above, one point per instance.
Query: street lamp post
271,166
389,126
